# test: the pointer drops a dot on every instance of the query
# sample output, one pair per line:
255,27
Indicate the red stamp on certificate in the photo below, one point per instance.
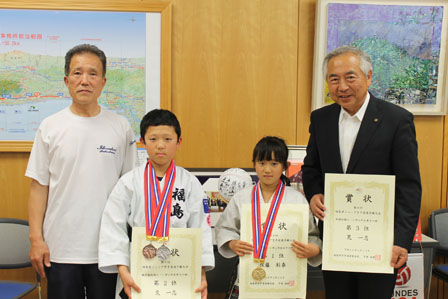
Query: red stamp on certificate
292,283
377,257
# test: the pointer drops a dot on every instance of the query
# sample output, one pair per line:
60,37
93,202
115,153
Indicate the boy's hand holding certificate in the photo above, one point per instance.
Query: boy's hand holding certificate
165,262
173,273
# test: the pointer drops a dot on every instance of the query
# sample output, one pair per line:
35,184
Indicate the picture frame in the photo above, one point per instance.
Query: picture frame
408,69
158,46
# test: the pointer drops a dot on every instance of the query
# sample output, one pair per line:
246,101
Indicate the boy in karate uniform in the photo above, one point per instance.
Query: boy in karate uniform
161,135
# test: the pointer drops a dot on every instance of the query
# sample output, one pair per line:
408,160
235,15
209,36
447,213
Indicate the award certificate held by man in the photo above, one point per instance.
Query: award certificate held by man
273,271
358,223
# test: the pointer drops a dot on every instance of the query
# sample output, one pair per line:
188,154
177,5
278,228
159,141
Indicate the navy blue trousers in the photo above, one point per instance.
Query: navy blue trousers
76,281
354,285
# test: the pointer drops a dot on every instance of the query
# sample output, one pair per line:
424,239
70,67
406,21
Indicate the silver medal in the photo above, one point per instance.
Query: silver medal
163,253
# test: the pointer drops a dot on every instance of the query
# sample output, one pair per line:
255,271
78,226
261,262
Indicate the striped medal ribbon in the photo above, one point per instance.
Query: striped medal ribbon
158,204
261,236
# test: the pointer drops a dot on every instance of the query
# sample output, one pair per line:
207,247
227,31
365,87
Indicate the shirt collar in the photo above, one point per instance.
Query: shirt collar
360,114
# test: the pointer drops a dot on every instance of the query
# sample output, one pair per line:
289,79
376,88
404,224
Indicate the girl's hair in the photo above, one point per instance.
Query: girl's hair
269,145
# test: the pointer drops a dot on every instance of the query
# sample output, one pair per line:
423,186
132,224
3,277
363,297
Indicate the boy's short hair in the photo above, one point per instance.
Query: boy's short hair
159,117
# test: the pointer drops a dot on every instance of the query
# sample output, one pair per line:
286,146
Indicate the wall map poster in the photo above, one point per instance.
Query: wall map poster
33,44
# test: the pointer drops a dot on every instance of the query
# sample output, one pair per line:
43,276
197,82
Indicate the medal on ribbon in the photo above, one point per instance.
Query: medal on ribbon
163,253
158,210
149,251
261,236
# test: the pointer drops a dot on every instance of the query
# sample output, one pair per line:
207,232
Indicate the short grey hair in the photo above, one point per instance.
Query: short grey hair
84,48
365,62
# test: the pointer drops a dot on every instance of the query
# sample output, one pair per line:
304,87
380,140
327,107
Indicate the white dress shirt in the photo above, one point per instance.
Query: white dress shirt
348,130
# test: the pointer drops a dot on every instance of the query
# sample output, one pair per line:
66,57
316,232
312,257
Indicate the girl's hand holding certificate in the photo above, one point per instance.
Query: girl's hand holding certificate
240,247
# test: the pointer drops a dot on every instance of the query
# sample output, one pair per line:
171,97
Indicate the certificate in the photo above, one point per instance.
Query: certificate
359,223
285,273
175,275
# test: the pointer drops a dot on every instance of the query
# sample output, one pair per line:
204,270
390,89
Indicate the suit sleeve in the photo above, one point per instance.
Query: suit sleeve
408,188
312,176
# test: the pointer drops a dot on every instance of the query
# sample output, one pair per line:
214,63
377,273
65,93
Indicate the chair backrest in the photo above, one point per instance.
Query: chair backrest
438,228
14,243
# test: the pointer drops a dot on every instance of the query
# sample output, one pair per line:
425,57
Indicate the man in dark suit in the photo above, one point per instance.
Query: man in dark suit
361,134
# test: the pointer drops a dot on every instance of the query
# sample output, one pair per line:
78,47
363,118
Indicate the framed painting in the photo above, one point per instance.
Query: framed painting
406,41
34,37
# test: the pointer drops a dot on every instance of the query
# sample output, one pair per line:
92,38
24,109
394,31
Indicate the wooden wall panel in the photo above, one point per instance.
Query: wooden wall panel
234,77
444,199
14,186
305,52
240,70
430,130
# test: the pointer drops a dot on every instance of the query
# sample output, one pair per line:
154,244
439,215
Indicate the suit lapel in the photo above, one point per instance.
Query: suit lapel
369,125
333,138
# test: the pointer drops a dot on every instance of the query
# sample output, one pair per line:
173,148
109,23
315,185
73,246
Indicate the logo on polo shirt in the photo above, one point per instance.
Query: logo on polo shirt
107,150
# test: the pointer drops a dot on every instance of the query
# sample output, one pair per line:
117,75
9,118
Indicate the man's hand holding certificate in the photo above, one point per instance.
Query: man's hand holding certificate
359,223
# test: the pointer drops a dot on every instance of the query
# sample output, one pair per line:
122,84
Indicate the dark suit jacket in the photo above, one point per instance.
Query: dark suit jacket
386,144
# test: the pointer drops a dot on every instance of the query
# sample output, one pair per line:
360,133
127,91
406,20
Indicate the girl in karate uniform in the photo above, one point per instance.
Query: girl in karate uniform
270,161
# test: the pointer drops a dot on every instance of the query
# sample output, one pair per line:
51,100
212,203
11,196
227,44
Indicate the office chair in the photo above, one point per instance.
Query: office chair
438,229
14,248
